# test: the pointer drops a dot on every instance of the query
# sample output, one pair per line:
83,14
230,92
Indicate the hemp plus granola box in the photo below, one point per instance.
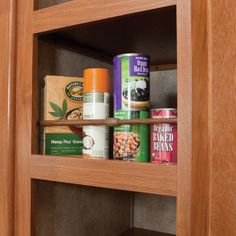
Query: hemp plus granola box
62,101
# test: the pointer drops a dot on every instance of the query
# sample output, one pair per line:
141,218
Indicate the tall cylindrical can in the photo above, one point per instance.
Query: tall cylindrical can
131,82
96,106
131,141
164,137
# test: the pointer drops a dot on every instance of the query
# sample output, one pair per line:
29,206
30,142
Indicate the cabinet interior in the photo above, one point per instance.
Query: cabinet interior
151,32
69,51
39,4
58,208
65,209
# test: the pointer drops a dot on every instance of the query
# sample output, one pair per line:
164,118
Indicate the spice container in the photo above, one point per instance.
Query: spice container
96,106
164,137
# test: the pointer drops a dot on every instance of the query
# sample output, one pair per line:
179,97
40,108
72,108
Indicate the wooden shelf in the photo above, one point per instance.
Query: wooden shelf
143,232
107,122
130,176
79,12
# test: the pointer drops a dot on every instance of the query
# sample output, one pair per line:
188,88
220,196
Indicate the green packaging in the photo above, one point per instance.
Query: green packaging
131,142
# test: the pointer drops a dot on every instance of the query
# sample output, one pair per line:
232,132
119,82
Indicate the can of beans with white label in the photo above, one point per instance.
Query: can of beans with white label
131,142
164,137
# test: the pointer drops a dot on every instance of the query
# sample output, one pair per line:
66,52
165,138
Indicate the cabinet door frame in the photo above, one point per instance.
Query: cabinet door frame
193,168
193,82
7,114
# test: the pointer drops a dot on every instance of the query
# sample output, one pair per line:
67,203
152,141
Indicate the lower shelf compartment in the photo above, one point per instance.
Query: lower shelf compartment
122,175
67,209
143,232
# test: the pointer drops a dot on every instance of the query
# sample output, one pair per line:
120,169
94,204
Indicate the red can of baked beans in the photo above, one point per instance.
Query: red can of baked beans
164,137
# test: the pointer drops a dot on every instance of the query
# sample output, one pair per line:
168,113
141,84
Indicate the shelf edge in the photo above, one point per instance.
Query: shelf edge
79,12
110,122
121,175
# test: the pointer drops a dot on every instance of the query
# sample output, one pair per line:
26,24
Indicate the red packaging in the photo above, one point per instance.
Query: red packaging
164,137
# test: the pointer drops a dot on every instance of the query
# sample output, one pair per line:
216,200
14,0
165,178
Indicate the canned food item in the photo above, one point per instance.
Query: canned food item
164,137
131,82
96,106
131,142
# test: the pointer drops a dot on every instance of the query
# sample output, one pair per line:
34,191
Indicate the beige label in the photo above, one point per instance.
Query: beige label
95,141
62,100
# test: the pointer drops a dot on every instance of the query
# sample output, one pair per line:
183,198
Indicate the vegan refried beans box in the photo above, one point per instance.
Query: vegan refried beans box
62,101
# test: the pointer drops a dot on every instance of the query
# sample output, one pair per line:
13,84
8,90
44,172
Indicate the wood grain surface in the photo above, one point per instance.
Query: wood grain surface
82,11
206,107
24,117
7,115
107,122
131,176
200,188
193,123
223,112
184,92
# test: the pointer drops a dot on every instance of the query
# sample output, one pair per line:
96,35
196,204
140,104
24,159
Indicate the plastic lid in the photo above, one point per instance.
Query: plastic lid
96,80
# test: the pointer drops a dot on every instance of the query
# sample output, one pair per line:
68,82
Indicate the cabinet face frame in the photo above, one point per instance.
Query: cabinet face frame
193,118
190,90
7,114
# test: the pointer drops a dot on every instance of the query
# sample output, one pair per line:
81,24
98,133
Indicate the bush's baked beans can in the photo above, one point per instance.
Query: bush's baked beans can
131,82
164,137
131,142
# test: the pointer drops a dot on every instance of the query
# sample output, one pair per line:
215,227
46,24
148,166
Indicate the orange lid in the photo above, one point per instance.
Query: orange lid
96,80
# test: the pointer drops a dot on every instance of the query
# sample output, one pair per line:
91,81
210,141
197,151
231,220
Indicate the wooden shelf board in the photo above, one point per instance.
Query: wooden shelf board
122,175
143,232
107,122
79,12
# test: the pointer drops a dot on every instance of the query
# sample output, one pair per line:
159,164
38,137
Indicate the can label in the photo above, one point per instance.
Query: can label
131,142
164,138
95,142
96,139
131,82
96,105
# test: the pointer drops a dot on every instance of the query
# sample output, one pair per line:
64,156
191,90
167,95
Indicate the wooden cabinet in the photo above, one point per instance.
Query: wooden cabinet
174,33
7,115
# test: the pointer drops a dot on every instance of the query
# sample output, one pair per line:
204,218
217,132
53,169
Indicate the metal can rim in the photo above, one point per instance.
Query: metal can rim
131,54
164,109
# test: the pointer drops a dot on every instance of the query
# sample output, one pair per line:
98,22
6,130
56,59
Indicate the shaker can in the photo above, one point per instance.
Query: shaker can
163,137
131,82
96,99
